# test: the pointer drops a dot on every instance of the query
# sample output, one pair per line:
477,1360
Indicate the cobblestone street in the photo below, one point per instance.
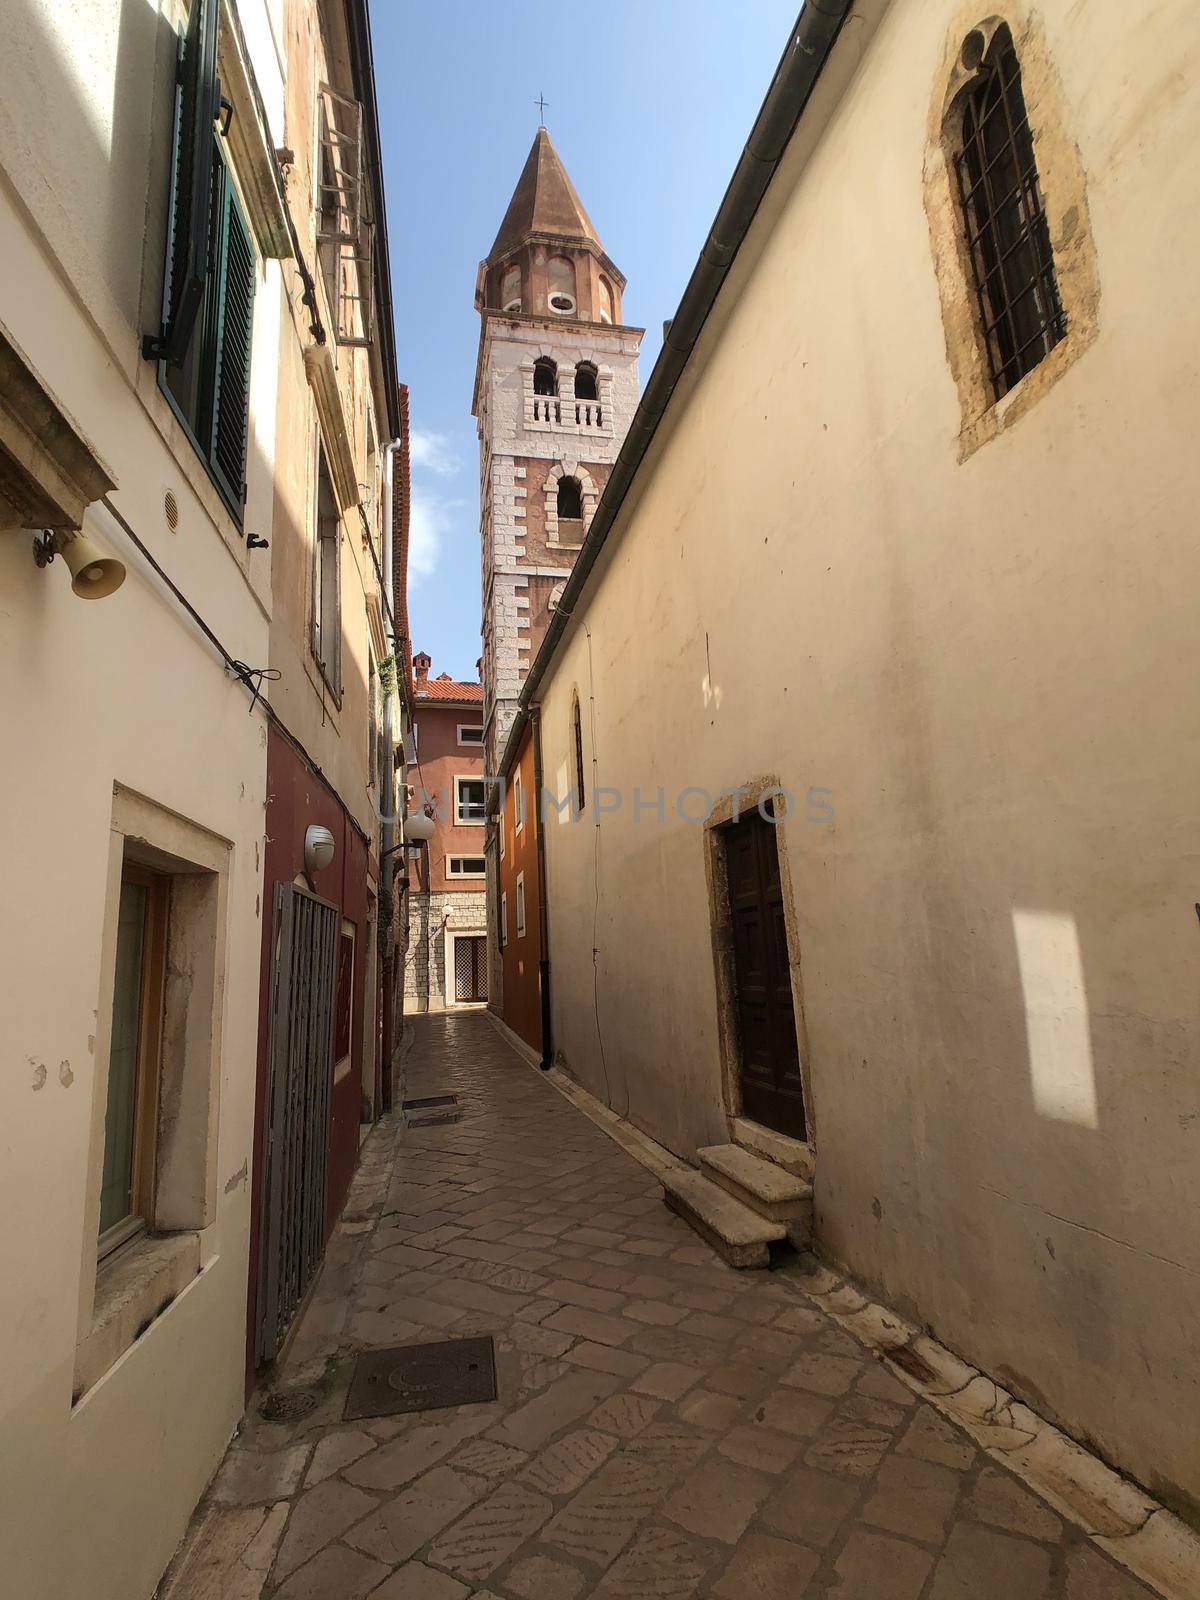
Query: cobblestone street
666,1426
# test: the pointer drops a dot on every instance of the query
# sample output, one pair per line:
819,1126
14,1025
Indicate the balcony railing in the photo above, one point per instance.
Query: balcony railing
549,411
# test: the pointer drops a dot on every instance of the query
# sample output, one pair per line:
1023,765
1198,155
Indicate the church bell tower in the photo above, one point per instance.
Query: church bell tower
556,387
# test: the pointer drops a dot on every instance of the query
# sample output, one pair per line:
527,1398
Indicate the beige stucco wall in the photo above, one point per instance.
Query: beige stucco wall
121,691
990,662
334,735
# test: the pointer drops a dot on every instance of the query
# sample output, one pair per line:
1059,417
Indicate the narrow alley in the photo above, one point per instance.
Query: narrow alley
665,1426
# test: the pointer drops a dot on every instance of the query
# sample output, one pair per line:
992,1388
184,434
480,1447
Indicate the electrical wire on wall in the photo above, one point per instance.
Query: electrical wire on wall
251,678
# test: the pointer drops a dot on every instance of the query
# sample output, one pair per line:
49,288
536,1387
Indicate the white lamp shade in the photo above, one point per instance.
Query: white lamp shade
318,848
418,827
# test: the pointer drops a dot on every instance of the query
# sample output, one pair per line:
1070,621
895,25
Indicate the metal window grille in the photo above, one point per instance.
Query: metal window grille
296,1134
344,230
1012,261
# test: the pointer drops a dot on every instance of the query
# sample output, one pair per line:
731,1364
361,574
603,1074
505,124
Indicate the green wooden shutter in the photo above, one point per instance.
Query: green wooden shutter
231,370
197,99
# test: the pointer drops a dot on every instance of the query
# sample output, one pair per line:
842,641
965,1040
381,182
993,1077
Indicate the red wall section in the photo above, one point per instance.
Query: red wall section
440,759
296,799
522,956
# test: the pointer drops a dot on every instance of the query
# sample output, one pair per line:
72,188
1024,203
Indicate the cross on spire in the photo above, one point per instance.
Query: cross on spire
541,103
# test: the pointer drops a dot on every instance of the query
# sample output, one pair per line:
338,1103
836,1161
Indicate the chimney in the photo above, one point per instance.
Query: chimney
421,666
479,669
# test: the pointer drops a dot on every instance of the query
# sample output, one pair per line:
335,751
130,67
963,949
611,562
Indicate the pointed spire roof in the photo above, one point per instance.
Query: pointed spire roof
544,201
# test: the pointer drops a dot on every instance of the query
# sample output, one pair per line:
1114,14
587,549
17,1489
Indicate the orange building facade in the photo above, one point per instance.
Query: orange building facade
446,959
521,922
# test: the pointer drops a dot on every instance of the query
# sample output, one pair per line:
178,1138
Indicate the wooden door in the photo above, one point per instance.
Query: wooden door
769,1055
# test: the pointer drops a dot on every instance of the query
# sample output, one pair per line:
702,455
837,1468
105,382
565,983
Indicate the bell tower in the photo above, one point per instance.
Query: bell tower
556,387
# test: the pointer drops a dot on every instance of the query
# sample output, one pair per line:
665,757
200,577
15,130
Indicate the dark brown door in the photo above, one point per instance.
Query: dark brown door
769,1055
470,969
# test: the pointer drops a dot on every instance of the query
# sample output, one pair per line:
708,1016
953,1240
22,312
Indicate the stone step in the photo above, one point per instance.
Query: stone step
773,1193
733,1230
793,1155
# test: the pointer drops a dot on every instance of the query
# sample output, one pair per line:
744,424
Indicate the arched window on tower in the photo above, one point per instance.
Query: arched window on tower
510,289
570,500
560,273
545,376
585,382
607,311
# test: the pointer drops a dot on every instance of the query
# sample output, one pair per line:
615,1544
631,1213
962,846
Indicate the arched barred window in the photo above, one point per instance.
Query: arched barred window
1020,313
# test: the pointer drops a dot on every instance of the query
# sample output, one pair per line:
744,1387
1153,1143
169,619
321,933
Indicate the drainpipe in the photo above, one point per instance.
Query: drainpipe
388,830
547,1061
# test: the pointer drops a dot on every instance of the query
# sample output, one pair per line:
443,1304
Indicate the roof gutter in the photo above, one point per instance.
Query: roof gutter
362,63
809,47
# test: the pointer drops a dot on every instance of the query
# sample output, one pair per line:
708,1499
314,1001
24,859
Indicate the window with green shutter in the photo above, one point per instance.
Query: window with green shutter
205,345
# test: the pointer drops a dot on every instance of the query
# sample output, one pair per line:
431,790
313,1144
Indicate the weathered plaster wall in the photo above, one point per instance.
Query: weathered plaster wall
986,661
121,691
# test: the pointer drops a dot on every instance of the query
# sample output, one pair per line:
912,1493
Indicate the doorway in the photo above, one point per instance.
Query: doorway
767,1051
470,968
296,1127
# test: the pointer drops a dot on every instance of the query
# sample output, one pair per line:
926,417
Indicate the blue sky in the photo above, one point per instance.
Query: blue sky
649,103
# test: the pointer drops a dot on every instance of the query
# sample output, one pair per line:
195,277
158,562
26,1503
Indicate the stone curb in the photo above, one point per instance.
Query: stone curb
1145,1538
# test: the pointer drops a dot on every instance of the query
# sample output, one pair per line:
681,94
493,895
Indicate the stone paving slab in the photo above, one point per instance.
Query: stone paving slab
666,1427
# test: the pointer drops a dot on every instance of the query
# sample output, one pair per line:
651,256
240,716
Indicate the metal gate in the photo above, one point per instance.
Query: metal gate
296,1133
470,968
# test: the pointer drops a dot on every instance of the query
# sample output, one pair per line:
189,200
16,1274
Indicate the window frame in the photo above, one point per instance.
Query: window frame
520,905
331,671
459,874
470,727
461,821
985,220
152,981
518,794
503,918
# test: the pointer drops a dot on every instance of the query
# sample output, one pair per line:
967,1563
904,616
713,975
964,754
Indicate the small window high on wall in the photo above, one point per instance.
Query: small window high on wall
545,376
1012,262
585,382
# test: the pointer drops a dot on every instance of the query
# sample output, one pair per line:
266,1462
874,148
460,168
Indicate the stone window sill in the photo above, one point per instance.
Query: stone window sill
133,1289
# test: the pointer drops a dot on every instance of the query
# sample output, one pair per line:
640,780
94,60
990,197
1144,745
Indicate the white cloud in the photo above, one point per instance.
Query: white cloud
430,519
433,452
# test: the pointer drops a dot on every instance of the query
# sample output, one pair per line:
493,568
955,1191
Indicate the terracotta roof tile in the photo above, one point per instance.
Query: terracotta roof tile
445,688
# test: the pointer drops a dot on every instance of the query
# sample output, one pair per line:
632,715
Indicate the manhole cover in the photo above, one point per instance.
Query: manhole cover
289,1405
430,1100
422,1377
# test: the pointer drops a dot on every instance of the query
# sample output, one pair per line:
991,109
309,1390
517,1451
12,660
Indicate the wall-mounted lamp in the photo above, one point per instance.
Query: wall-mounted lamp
318,849
418,828
93,575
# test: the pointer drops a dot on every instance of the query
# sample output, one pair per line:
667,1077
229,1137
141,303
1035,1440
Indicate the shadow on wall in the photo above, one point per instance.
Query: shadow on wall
1051,1093
78,101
